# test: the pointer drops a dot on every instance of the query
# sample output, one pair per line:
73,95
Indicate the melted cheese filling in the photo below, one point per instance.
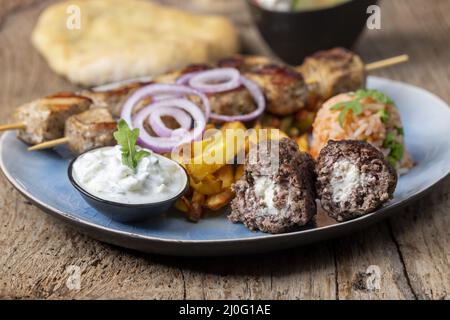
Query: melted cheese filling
345,178
265,190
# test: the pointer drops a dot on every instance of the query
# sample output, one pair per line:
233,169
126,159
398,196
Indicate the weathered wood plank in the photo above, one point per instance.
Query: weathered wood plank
421,231
369,266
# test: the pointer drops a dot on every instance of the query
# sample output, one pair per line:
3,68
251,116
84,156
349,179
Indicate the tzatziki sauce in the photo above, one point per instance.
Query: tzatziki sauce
102,173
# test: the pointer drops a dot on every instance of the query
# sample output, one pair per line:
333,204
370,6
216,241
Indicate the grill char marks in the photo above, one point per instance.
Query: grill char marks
90,129
45,118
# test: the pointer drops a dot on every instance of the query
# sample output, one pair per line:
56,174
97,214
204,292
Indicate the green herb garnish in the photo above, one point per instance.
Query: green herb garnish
384,115
353,105
356,105
396,150
400,131
127,139
374,94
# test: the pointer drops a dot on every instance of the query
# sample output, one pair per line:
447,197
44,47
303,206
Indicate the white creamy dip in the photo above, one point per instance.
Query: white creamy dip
101,173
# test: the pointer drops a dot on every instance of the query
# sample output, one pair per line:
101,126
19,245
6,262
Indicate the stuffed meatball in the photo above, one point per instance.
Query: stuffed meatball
353,179
275,197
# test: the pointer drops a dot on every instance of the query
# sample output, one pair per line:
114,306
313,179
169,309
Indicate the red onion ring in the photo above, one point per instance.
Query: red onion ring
167,144
155,121
212,81
184,79
257,95
158,90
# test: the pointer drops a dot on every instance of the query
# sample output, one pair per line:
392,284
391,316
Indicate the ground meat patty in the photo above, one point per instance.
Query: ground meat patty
284,88
279,198
353,179
115,98
172,76
232,103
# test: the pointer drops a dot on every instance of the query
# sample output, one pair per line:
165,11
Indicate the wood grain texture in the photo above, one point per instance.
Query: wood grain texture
411,250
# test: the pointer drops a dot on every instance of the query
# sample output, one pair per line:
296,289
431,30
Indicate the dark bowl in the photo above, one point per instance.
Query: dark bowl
293,35
121,211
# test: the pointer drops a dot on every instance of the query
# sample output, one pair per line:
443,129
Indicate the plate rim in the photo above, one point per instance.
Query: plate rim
66,216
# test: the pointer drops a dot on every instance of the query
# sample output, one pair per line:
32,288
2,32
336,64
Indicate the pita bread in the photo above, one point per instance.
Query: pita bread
122,39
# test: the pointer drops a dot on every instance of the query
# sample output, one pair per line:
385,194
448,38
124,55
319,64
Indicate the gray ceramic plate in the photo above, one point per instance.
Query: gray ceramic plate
42,178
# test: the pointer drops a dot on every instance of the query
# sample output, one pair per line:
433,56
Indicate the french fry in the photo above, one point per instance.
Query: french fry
218,201
225,175
183,204
195,211
208,186
303,142
239,172
225,145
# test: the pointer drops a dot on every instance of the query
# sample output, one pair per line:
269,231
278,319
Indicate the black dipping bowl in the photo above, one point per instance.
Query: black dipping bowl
294,35
125,212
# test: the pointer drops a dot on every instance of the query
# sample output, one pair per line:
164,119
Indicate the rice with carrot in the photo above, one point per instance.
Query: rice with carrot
366,115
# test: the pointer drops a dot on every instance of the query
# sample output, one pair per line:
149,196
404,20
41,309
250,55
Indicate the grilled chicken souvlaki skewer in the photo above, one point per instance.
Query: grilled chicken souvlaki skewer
43,120
85,131
328,73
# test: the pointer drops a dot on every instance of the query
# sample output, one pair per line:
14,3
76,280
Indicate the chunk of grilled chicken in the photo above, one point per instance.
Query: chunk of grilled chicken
284,88
113,99
44,119
334,71
90,129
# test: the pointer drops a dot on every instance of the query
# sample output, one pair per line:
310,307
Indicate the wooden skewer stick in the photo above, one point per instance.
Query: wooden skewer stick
49,144
12,126
386,62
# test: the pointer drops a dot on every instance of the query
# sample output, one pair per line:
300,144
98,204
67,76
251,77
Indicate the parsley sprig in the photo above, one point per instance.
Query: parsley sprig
396,150
127,139
356,106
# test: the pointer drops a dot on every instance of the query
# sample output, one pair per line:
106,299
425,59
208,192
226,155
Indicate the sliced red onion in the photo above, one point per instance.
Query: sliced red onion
179,132
153,90
212,81
166,96
166,144
184,79
155,121
257,95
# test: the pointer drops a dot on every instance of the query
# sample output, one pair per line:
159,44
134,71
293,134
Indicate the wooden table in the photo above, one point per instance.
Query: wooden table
411,250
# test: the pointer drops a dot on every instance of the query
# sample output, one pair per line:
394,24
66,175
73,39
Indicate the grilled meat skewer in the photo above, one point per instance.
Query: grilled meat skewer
284,88
328,72
85,131
113,99
332,72
90,129
44,119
